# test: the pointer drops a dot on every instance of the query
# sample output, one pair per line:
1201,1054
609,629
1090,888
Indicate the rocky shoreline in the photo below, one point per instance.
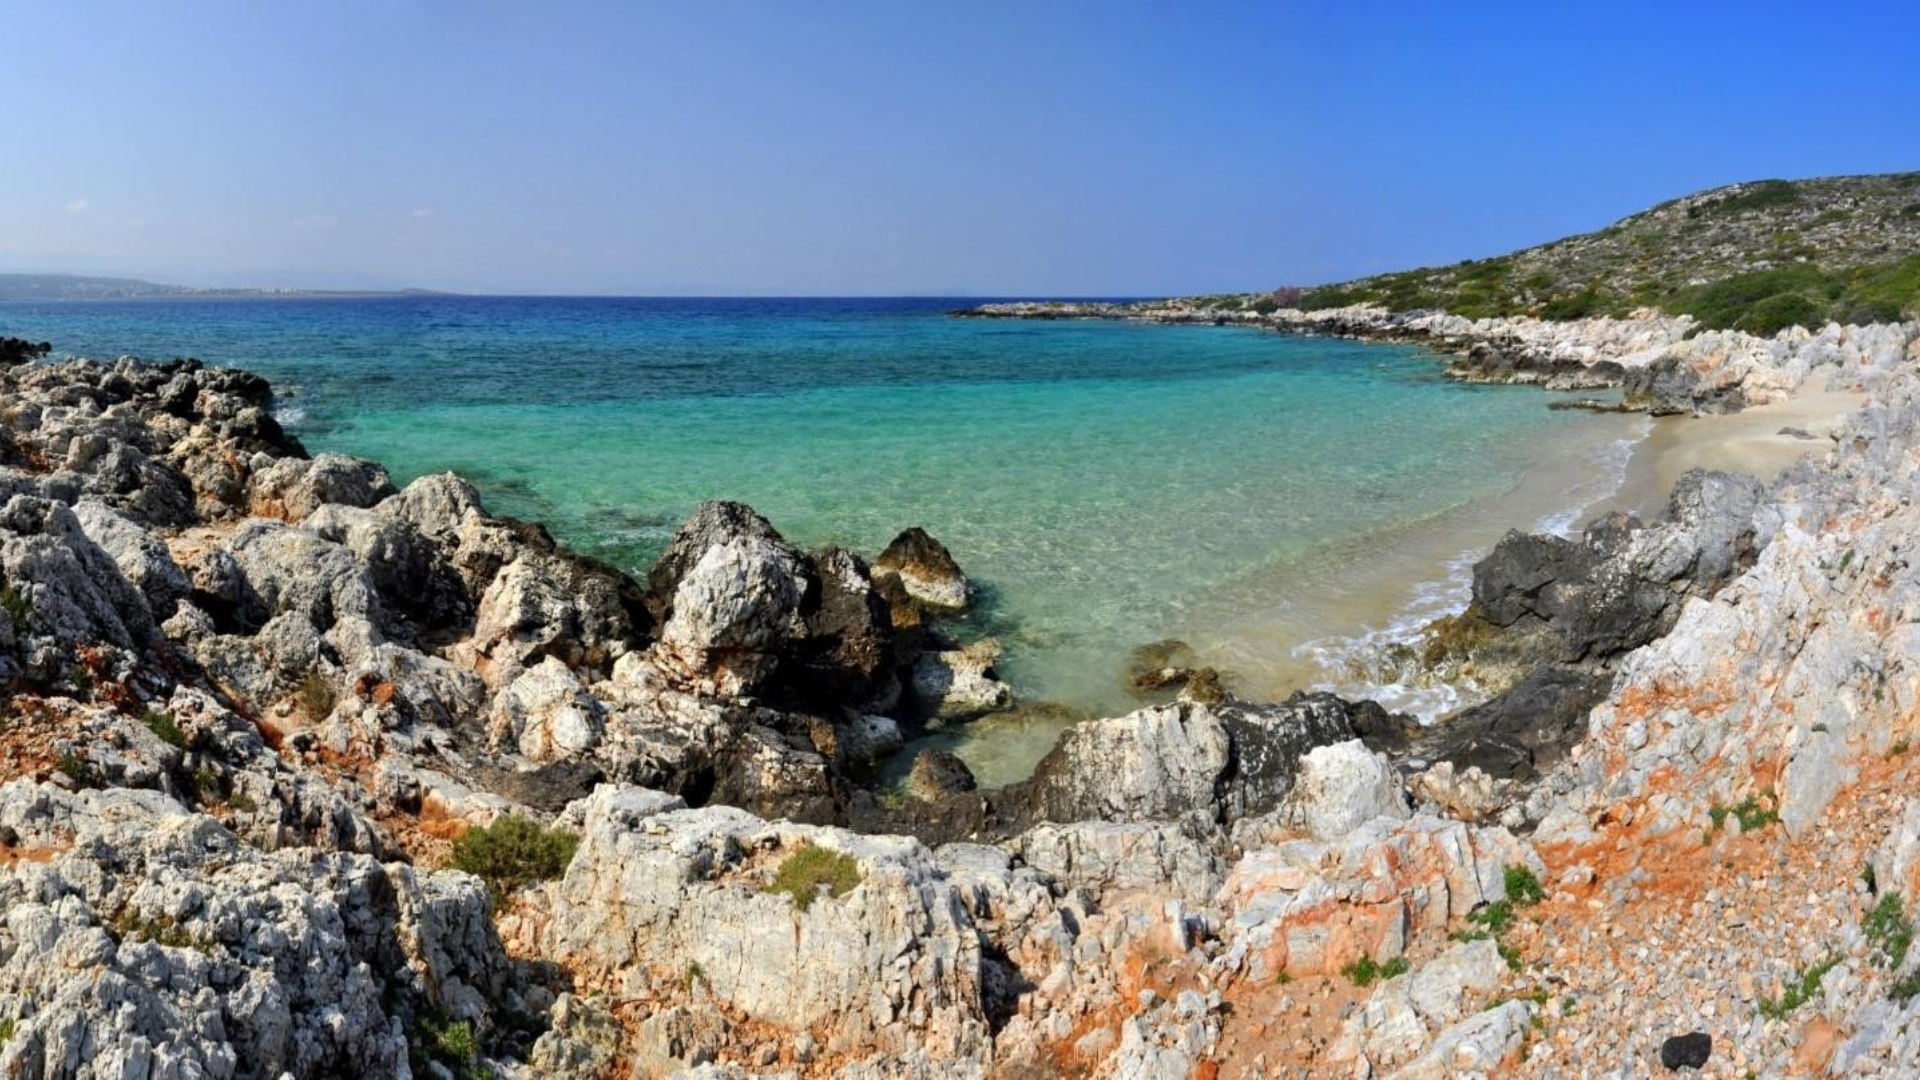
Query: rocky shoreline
264,707
1662,364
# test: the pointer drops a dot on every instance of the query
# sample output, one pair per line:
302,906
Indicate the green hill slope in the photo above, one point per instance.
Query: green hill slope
1757,256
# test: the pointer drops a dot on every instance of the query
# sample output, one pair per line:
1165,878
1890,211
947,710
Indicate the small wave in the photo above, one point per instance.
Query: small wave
289,415
1358,665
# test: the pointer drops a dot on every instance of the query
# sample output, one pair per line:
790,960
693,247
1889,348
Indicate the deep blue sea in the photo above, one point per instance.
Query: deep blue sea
1110,484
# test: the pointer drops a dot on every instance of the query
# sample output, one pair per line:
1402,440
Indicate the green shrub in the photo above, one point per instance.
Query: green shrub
512,853
1798,991
1763,195
1905,987
1774,314
1583,304
164,728
1748,812
1496,917
1265,306
1523,889
1364,971
809,869
314,694
1720,304
1881,292
19,609
130,925
436,1040
6,1031
76,768
1888,929
1333,296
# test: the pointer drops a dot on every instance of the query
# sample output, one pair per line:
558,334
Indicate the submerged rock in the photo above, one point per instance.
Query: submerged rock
937,774
959,684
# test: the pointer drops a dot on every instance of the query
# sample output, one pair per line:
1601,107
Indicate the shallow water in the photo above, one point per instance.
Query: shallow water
1108,484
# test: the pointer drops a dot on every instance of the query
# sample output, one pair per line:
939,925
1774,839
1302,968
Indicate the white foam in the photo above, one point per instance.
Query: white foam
1356,665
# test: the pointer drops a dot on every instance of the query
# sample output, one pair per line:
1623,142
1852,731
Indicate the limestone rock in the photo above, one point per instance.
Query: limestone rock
926,571
1342,786
960,684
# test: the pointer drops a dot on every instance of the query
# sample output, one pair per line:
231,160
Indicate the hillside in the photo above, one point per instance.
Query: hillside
1754,256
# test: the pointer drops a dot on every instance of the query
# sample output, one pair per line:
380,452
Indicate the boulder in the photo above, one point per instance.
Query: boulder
1184,761
291,488
845,652
926,572
1342,786
959,684
728,592
546,714
142,557
937,774
63,591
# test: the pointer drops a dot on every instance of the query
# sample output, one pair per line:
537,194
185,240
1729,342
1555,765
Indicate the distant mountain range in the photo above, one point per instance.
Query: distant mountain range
82,287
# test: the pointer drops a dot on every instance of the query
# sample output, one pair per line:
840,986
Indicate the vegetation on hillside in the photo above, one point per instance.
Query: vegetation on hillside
512,853
1756,256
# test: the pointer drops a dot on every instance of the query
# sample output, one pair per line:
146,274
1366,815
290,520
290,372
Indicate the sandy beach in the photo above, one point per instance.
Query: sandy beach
1760,441
1390,590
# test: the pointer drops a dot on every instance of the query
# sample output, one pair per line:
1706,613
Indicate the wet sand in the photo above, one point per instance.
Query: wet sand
1394,588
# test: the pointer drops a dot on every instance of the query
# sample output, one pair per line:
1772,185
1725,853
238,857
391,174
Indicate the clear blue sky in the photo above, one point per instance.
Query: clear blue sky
887,147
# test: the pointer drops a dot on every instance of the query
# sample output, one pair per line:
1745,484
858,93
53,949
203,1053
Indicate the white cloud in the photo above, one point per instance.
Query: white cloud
311,222
78,206
423,213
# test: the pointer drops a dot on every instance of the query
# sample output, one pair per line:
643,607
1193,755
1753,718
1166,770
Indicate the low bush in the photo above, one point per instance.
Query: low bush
165,729
1364,971
1762,195
1774,314
19,609
1798,991
1523,888
1586,303
1748,812
512,853
450,1044
314,694
803,874
1888,930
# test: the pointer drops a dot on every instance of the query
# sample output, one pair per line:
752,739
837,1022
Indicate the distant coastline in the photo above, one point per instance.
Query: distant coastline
60,288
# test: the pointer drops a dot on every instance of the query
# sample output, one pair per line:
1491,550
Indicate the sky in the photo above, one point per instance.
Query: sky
984,148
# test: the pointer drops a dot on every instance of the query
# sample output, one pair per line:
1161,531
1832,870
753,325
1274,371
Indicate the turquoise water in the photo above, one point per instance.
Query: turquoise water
1109,484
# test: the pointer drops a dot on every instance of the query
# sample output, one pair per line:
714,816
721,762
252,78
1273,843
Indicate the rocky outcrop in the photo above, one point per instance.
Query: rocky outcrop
142,938
1307,907
1558,614
663,904
1183,761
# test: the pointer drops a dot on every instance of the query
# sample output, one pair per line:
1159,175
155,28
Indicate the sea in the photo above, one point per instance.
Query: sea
1286,505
